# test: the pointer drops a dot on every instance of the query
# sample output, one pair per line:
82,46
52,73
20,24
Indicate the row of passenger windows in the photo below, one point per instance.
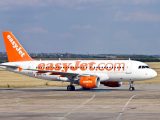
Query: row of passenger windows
143,67
79,67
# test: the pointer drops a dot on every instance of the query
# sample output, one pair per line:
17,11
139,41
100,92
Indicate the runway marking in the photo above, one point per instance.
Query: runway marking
80,106
124,107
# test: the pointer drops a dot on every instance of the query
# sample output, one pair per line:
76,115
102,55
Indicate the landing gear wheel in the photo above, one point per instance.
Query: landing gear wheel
131,87
70,88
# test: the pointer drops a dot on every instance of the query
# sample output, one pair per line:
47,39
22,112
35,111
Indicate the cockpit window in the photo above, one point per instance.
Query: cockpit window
142,67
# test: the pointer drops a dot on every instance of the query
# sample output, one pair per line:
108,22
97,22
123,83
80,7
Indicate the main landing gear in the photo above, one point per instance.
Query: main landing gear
131,87
71,88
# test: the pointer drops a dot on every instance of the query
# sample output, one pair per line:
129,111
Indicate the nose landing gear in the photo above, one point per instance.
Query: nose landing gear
131,87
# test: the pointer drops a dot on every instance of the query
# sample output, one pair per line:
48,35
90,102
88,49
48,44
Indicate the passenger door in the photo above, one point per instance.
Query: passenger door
129,68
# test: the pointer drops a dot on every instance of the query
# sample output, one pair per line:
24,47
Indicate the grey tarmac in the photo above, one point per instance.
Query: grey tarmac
99,104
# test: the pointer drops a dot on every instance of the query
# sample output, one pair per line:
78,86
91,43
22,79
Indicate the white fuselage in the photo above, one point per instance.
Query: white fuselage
106,70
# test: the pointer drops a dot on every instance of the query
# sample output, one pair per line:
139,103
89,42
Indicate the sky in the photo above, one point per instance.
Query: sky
83,26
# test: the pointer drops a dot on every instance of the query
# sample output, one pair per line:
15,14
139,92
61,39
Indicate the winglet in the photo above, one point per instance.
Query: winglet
14,49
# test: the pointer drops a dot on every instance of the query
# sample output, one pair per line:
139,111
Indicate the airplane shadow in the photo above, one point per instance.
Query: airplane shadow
63,90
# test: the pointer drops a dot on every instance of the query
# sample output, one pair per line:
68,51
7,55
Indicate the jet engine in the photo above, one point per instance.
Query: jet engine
111,83
89,82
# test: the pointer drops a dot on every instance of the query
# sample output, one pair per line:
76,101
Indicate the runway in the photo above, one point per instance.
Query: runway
99,104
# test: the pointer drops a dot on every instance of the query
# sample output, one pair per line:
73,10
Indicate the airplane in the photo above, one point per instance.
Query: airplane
89,74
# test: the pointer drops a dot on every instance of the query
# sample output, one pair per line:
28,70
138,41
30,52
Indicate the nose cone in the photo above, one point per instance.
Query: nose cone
150,73
154,73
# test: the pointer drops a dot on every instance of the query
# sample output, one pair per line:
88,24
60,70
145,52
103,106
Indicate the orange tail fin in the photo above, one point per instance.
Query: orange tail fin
14,49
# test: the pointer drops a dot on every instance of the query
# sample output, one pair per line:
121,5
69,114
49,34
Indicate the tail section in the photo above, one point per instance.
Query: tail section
14,49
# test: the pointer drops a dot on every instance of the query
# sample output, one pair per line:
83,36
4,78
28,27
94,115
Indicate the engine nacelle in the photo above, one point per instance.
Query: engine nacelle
111,83
89,82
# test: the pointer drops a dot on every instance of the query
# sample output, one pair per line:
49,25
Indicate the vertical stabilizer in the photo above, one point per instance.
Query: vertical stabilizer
14,49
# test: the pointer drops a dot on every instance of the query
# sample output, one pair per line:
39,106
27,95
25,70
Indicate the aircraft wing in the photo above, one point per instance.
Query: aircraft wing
70,75
63,74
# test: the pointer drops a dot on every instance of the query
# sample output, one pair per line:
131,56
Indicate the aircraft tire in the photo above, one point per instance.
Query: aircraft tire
70,88
131,88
